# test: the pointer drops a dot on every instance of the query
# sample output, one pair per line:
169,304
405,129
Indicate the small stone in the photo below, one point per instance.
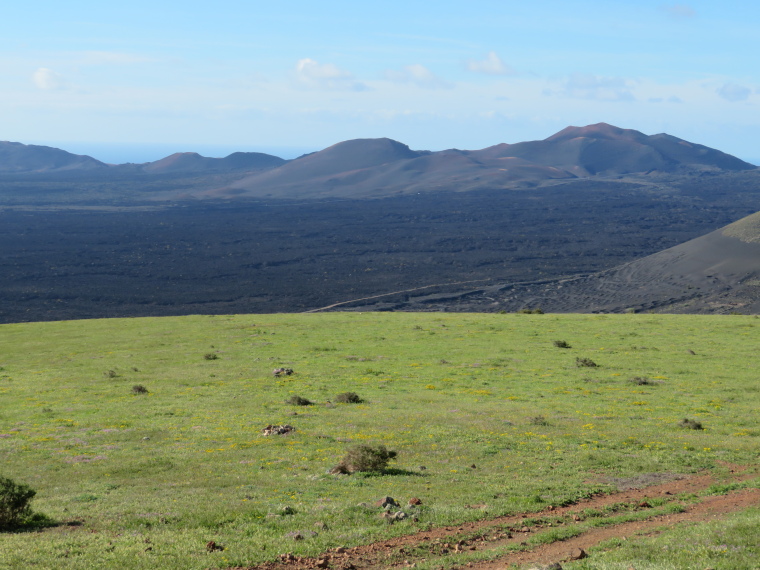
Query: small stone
323,563
415,501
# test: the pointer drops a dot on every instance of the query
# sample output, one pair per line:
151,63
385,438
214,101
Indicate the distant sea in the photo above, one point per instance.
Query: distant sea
120,153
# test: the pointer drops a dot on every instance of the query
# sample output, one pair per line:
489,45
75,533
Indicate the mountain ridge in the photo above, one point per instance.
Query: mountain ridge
379,167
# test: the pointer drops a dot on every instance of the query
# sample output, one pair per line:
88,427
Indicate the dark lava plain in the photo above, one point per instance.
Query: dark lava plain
93,257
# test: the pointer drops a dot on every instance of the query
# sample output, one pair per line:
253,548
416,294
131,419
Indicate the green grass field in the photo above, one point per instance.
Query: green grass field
484,411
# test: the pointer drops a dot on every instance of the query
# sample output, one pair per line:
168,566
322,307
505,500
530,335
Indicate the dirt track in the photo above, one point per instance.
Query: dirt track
453,544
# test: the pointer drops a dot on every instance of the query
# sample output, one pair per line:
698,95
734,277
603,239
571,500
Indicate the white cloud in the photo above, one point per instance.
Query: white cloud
589,86
48,80
491,65
317,75
679,11
733,92
418,75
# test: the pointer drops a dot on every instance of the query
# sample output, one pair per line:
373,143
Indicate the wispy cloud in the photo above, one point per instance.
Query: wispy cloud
733,92
311,73
418,75
679,11
491,65
48,80
590,86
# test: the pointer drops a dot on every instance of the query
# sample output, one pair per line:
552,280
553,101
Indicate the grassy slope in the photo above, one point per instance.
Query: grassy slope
187,463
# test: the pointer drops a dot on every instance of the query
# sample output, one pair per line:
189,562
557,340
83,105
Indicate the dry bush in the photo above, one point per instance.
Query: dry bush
562,344
139,389
587,362
642,381
296,400
690,424
364,458
348,398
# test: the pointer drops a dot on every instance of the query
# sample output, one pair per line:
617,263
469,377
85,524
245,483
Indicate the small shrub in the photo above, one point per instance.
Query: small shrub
587,362
348,398
139,389
14,502
110,374
210,356
641,381
365,458
296,400
690,424
538,421
526,311
562,344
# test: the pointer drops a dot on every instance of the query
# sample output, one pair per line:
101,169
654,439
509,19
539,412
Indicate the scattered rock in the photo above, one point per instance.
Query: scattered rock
295,535
387,501
323,563
578,554
278,430
282,371
212,546
321,525
415,501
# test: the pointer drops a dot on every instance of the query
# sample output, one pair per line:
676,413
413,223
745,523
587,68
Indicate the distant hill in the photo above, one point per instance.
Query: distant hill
21,158
18,158
381,167
194,162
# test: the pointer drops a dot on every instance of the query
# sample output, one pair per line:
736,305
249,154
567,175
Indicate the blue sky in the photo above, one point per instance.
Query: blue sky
134,81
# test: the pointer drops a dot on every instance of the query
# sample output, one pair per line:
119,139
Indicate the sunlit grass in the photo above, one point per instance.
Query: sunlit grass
456,395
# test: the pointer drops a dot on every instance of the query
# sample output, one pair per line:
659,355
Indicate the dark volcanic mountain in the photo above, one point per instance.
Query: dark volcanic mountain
380,167
608,150
20,158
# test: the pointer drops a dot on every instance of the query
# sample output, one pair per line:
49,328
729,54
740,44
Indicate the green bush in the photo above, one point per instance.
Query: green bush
14,502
